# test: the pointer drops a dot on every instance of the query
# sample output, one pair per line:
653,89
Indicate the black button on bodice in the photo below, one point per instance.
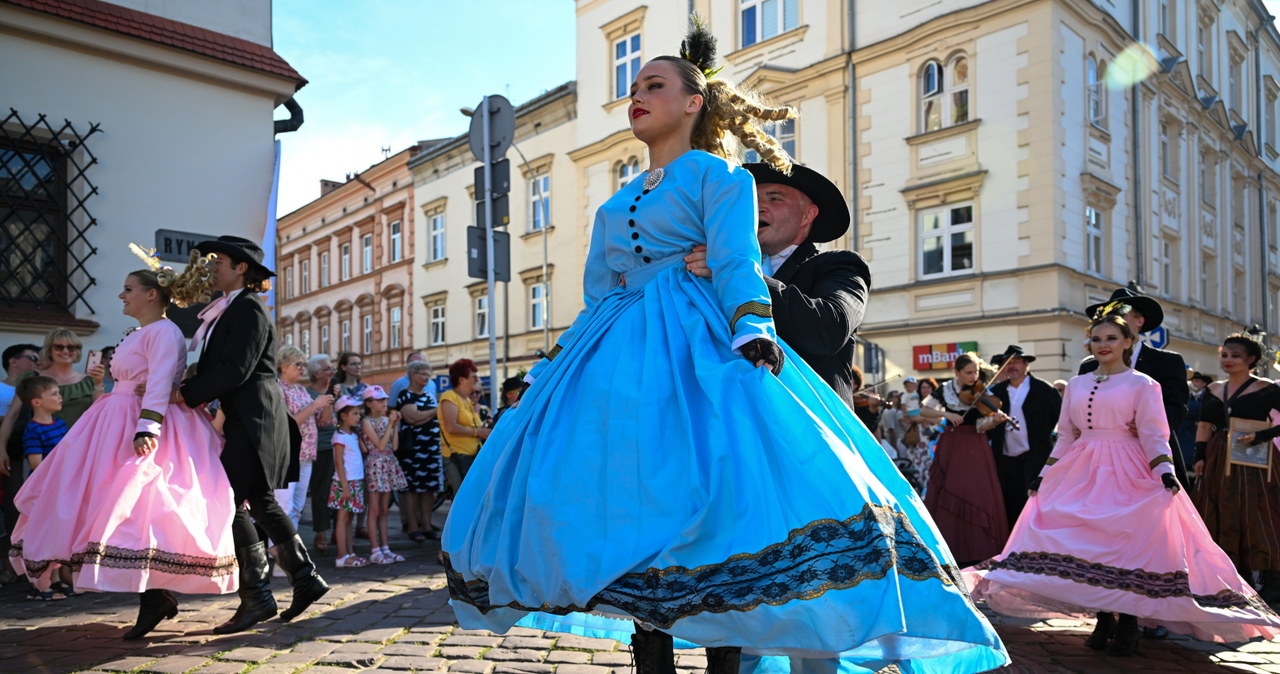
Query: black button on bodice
633,209
648,260
644,192
635,235
637,198
631,223
639,249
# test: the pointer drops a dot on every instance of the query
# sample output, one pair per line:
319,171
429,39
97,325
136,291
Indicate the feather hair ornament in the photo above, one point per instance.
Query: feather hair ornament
1118,308
147,255
699,47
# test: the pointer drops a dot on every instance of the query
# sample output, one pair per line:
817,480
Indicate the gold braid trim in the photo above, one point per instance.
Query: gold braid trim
1159,460
1050,461
151,415
555,351
750,309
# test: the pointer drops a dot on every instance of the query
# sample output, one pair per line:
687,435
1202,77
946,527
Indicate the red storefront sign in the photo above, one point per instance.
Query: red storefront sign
940,356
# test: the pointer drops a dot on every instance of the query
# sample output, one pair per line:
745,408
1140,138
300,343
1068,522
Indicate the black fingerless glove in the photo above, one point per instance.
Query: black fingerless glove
1170,482
1202,448
144,434
764,349
1267,435
1034,484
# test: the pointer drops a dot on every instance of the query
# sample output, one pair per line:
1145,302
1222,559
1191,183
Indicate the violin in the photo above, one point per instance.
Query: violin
978,396
864,398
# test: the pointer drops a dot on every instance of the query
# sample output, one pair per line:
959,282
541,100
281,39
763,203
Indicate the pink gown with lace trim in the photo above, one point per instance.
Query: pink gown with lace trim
1103,534
123,522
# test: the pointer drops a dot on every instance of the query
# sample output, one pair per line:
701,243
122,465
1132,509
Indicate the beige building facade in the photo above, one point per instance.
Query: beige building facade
345,269
1008,163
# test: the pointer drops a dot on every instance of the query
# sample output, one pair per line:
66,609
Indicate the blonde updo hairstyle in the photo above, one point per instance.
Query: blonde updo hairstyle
194,285
727,112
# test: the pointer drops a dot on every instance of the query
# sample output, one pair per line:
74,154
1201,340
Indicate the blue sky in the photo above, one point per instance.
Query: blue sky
392,72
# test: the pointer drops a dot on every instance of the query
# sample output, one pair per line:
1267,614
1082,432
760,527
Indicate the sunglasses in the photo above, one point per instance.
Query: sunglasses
29,357
65,347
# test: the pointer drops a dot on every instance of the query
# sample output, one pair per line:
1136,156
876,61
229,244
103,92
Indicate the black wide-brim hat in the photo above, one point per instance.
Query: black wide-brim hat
833,213
238,249
1152,312
1013,351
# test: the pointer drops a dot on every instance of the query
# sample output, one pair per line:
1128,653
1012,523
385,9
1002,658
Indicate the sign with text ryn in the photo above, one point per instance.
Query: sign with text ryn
940,356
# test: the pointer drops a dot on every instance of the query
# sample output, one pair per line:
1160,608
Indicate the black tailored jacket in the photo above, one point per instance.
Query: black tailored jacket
1039,417
238,369
818,303
1170,371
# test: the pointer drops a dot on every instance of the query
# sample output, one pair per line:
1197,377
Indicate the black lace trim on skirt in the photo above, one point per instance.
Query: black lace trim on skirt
1170,585
150,559
821,556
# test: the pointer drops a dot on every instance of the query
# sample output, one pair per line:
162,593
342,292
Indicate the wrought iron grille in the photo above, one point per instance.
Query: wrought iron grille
44,222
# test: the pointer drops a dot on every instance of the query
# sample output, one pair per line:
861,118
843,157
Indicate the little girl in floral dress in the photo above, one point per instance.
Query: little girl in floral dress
379,435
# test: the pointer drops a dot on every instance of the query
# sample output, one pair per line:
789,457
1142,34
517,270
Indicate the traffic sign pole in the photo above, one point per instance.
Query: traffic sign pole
488,236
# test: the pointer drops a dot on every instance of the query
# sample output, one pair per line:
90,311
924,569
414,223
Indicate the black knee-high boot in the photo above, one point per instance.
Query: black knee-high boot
153,606
723,659
653,652
1127,635
308,586
256,601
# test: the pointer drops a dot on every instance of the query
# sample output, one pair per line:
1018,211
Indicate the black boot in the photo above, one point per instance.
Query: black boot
1270,591
653,652
308,586
1127,635
1102,632
153,606
723,659
256,602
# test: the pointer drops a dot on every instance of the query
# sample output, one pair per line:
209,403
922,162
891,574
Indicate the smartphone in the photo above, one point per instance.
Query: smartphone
95,359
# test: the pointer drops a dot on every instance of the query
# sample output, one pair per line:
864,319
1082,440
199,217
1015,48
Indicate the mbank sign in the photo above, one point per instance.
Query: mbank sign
940,356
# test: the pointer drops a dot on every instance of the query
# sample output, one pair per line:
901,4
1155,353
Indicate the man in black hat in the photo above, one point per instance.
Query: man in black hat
236,344
1166,367
1021,452
818,297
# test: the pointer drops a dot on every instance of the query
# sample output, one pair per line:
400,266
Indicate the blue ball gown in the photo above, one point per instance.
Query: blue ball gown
652,474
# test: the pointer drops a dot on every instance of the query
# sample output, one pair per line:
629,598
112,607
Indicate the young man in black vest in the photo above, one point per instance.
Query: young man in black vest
236,344
818,297
1021,453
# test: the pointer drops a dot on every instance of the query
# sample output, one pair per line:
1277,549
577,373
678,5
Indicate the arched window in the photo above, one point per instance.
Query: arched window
1093,73
944,94
627,171
931,97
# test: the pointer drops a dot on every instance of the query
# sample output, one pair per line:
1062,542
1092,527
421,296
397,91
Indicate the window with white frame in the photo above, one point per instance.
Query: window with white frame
784,132
1204,50
288,338
393,326
324,339
395,241
1269,128
1166,18
946,240
626,64
288,283
304,268
1208,177
1165,167
1096,91
344,262
537,306
1273,223
1239,293
1093,233
435,234
306,341
324,269
1164,265
540,202
627,171
944,94
367,334
437,325
1171,151
763,19
1235,83
482,316
345,340
1208,283
366,253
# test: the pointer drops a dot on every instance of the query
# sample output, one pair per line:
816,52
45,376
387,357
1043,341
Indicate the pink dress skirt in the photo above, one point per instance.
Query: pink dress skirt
122,522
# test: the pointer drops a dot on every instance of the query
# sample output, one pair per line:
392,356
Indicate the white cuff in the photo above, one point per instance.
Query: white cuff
740,340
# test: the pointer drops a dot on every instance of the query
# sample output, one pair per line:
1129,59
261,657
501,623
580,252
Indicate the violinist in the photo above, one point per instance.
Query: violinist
1020,452
866,404
964,493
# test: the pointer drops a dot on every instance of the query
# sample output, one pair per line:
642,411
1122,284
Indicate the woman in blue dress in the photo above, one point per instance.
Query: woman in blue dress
675,470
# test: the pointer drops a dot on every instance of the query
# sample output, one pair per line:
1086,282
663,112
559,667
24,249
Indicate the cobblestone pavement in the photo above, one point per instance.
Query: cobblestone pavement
396,618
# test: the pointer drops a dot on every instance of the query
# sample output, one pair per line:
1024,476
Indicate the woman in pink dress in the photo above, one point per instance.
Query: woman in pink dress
1107,530
134,498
